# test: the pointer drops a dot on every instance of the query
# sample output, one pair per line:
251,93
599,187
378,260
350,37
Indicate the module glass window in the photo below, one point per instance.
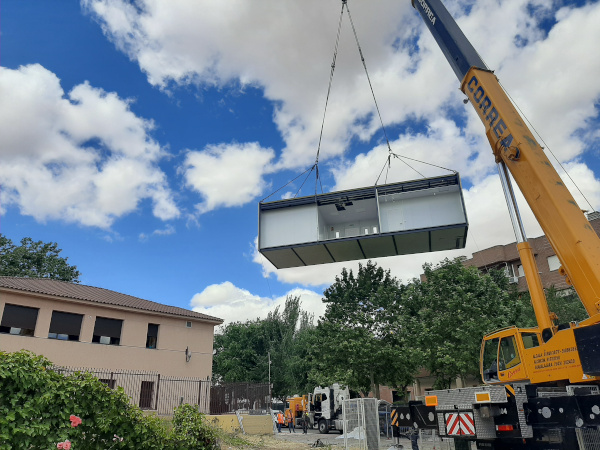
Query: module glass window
18,320
508,354
152,336
65,326
530,340
107,331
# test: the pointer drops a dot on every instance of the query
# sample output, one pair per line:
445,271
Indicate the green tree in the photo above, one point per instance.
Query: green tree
360,340
455,307
35,260
242,350
564,303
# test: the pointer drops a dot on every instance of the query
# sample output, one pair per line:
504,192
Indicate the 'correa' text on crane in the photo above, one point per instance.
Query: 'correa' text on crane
427,10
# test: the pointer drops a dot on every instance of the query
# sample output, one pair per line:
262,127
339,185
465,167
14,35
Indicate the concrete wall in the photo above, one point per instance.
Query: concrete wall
255,425
168,358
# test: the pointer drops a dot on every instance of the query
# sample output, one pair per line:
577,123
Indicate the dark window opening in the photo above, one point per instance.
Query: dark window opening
530,340
146,394
397,396
109,382
152,337
18,320
107,331
65,326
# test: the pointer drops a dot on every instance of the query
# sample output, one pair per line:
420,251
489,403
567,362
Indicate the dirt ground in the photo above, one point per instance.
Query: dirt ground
285,440
298,440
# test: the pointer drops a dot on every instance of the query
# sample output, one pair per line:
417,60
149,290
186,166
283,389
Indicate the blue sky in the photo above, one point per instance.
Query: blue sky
140,136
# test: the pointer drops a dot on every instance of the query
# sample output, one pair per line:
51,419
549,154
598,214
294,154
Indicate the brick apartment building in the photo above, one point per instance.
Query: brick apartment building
506,257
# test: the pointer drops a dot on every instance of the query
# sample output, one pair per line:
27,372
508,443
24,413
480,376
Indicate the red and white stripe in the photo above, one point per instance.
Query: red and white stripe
460,424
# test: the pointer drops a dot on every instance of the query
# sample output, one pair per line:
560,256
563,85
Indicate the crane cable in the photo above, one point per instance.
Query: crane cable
546,146
315,166
387,141
335,52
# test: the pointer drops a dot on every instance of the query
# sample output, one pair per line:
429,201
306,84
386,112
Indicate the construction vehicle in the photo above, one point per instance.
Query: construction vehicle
325,407
541,384
295,407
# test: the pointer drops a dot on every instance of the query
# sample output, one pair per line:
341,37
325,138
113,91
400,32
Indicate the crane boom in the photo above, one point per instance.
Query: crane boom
564,224
542,384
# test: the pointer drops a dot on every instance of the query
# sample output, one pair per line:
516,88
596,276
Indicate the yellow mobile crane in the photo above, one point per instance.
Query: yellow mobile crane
541,383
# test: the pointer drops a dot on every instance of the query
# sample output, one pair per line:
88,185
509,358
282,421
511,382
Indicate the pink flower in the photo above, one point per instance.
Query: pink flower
64,445
74,420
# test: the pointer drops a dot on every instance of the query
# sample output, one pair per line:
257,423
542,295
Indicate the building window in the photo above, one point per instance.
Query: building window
553,263
18,320
107,331
146,394
152,338
65,326
109,382
188,324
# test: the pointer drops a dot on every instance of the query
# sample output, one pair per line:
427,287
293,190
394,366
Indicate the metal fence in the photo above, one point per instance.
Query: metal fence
361,423
231,397
151,390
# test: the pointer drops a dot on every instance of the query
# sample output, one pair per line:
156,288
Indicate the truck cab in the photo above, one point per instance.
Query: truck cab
326,408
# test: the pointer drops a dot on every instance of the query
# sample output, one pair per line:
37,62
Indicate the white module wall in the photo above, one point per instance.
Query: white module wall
394,219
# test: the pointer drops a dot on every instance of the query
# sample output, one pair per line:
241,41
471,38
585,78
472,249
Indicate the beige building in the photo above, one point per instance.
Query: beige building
117,335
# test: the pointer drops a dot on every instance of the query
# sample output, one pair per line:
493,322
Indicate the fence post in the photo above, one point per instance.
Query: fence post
199,392
157,388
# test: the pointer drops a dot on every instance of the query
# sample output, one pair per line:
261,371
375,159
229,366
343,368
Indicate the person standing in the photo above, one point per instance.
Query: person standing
305,420
290,419
279,421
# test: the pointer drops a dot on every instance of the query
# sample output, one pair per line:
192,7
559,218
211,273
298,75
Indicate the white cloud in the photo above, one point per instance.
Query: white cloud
227,175
550,80
232,304
83,158
168,230
286,48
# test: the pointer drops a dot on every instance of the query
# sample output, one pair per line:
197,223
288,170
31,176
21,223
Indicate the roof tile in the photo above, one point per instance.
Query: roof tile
96,295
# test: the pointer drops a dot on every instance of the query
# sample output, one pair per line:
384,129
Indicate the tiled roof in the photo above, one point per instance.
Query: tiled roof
96,295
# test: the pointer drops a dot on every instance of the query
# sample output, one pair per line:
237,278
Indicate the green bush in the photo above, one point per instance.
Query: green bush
190,429
36,404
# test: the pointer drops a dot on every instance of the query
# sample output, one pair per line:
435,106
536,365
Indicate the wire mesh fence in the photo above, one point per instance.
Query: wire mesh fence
361,423
231,397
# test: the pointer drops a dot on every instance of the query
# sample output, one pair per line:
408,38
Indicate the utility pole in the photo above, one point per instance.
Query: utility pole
270,397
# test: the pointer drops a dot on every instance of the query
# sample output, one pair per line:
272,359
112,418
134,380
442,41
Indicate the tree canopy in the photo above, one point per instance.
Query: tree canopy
358,341
378,331
242,350
455,307
35,260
